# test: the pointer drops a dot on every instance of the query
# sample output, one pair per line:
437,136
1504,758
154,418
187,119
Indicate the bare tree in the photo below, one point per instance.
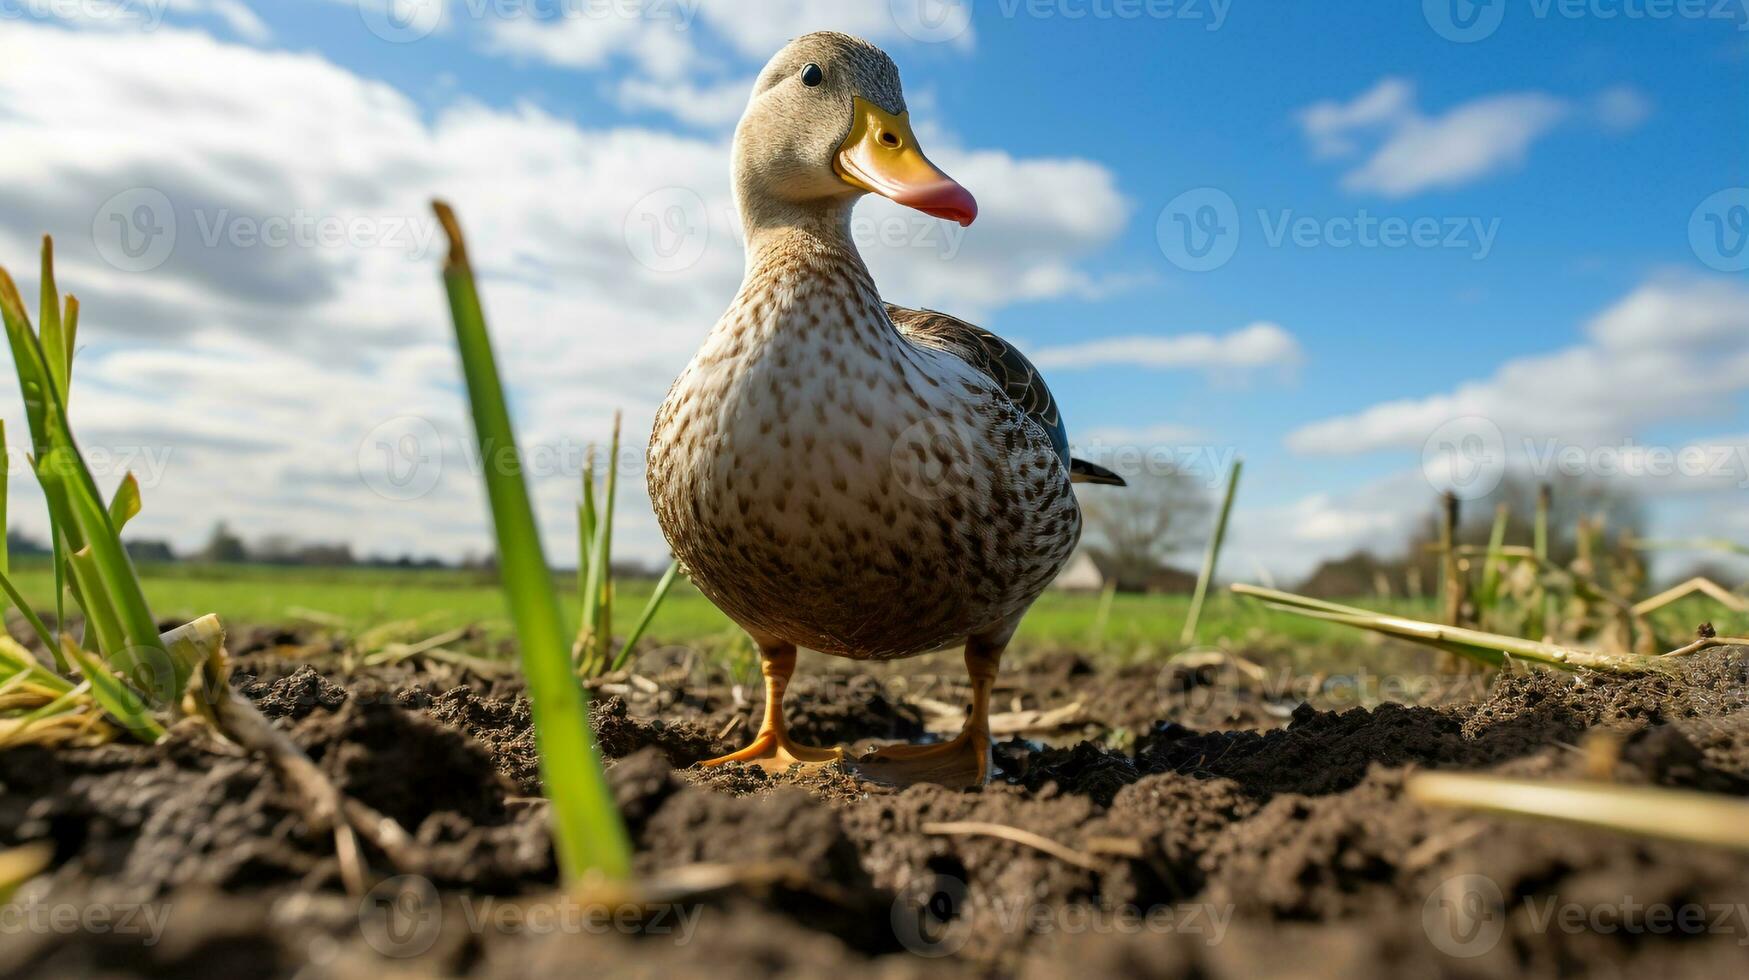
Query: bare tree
1131,531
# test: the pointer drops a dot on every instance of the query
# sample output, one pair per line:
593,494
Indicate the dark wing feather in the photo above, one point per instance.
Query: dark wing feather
1081,471
993,356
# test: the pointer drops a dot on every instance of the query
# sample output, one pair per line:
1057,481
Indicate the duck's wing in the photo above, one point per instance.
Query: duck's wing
1008,367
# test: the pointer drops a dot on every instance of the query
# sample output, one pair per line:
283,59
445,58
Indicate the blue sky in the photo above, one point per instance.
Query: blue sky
1562,160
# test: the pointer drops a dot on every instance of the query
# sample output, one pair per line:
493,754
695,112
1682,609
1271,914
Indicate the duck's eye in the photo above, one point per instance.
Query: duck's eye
812,75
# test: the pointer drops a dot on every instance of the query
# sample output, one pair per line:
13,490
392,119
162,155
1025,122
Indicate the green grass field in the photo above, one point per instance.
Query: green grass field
358,599
361,598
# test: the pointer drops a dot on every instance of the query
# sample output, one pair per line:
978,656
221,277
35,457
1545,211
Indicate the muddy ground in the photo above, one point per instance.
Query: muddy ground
1207,822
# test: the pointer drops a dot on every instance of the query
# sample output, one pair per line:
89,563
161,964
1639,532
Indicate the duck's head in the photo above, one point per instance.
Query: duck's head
826,124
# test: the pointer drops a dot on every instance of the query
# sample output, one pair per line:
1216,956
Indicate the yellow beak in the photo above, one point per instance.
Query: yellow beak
881,156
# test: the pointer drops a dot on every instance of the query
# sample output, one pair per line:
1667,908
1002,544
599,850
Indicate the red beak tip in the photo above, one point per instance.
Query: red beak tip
948,201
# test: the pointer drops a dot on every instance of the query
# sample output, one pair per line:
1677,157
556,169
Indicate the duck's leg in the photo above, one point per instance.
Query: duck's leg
962,761
772,748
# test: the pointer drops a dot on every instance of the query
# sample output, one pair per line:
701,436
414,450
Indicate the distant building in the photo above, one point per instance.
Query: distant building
1081,574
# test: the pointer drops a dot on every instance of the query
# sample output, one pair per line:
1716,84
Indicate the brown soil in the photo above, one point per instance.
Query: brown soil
1216,827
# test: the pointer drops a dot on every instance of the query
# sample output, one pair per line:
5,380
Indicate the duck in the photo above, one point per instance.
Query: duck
842,474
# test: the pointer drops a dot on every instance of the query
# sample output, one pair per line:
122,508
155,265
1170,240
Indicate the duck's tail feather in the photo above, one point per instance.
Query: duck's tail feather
1081,471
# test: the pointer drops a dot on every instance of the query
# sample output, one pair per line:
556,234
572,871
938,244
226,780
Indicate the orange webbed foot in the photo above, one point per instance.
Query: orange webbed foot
773,751
962,762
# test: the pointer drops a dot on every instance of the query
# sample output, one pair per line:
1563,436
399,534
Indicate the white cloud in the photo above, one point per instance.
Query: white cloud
135,15
1415,152
1472,141
1289,540
1331,125
717,106
265,369
679,69
1672,352
1037,218
1260,345
1674,349
1156,434
758,30
658,46
1622,107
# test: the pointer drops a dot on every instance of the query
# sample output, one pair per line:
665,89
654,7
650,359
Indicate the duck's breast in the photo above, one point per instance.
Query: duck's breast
853,495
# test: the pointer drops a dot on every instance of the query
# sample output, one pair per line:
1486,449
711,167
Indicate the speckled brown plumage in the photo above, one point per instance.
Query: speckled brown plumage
1008,367
831,484
867,484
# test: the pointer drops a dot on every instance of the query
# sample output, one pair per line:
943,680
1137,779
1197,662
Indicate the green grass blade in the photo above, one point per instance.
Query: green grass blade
604,549
1493,562
33,386
1542,604
121,587
15,659
649,613
70,327
54,342
587,832
5,486
1102,616
116,699
597,629
65,701
1684,816
100,617
30,616
1724,545
1211,557
125,505
1489,648
32,381
81,520
586,527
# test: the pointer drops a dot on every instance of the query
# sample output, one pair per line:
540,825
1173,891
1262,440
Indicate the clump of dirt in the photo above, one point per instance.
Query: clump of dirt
1130,837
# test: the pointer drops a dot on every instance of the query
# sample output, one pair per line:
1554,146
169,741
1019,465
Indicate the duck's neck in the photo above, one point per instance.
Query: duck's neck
776,228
